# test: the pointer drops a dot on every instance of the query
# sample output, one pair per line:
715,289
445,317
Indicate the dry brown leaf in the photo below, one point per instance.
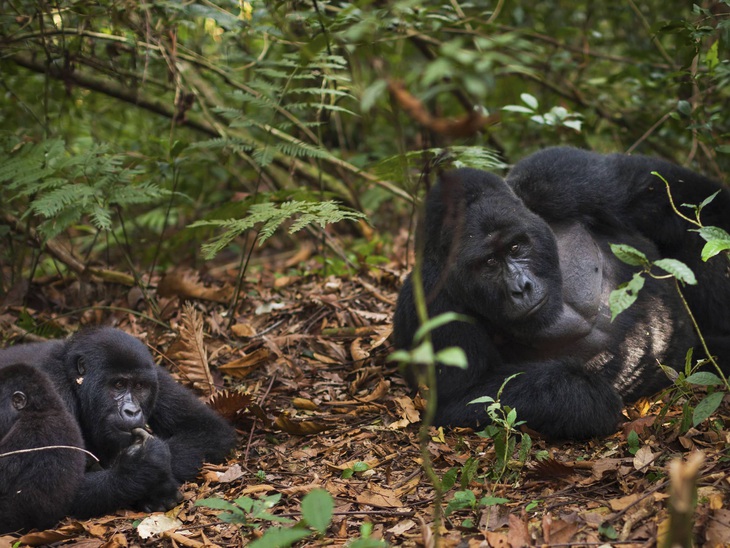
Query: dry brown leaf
718,530
622,503
497,540
643,458
639,425
304,403
244,366
229,403
402,527
406,409
518,535
116,541
558,531
189,351
357,351
379,497
41,538
301,428
187,285
324,359
378,392
551,468
243,330
232,474
258,488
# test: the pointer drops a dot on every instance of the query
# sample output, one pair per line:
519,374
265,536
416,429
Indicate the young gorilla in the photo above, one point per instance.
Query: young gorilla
530,263
110,384
36,488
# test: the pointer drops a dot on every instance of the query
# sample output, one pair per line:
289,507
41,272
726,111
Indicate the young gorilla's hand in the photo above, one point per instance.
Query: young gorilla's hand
146,464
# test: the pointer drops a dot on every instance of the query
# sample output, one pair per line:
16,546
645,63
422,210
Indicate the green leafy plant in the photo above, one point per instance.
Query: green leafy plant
245,511
347,473
317,507
503,431
685,383
555,117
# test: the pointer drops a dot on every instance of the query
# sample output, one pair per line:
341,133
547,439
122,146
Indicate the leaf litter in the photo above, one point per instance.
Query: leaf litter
300,369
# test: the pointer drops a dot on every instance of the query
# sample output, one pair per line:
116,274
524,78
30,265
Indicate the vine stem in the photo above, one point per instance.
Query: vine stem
699,334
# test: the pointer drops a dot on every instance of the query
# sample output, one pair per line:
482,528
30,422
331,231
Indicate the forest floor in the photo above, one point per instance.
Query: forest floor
303,361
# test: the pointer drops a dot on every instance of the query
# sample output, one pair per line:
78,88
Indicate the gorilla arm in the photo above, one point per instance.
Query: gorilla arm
194,432
139,478
564,183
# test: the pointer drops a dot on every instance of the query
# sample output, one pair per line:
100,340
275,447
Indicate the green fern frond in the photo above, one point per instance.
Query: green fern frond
271,216
64,188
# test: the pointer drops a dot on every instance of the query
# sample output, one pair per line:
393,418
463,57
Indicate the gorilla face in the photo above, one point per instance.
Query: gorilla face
505,265
116,384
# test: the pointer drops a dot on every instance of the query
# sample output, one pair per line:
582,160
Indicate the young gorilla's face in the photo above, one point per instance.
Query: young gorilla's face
116,385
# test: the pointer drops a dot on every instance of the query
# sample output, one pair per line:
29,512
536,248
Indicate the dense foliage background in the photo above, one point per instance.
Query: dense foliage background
153,115
250,170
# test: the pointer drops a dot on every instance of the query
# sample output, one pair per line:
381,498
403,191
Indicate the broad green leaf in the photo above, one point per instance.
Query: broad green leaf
423,353
492,501
629,255
709,233
517,108
714,247
707,407
317,509
438,321
452,356
677,269
449,479
217,504
704,378
280,537
529,100
625,295
482,399
708,200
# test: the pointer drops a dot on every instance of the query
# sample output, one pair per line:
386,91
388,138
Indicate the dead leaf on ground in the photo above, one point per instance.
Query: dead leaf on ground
186,284
242,367
300,428
189,353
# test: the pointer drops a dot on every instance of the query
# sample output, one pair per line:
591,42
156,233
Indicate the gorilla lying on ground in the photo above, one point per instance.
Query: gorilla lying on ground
529,260
36,488
111,386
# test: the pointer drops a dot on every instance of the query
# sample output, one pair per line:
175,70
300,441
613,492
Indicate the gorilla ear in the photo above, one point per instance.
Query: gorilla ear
19,400
81,365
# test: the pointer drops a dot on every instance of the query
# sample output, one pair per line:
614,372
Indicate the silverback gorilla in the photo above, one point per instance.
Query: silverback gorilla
36,488
529,261
109,383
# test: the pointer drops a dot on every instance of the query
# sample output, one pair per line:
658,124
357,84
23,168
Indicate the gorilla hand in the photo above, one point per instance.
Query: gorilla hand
146,463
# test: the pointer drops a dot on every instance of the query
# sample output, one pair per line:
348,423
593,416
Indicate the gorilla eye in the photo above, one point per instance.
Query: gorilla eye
138,386
119,384
19,400
491,262
515,248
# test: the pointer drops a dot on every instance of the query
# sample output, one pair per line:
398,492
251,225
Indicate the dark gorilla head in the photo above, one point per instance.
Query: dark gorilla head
502,258
36,488
24,390
114,381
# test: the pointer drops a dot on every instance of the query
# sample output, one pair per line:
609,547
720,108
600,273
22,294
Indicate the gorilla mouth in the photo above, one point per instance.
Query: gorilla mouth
537,306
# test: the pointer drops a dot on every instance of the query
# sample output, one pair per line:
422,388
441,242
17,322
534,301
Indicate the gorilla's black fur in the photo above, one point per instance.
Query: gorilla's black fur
109,383
529,260
38,487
